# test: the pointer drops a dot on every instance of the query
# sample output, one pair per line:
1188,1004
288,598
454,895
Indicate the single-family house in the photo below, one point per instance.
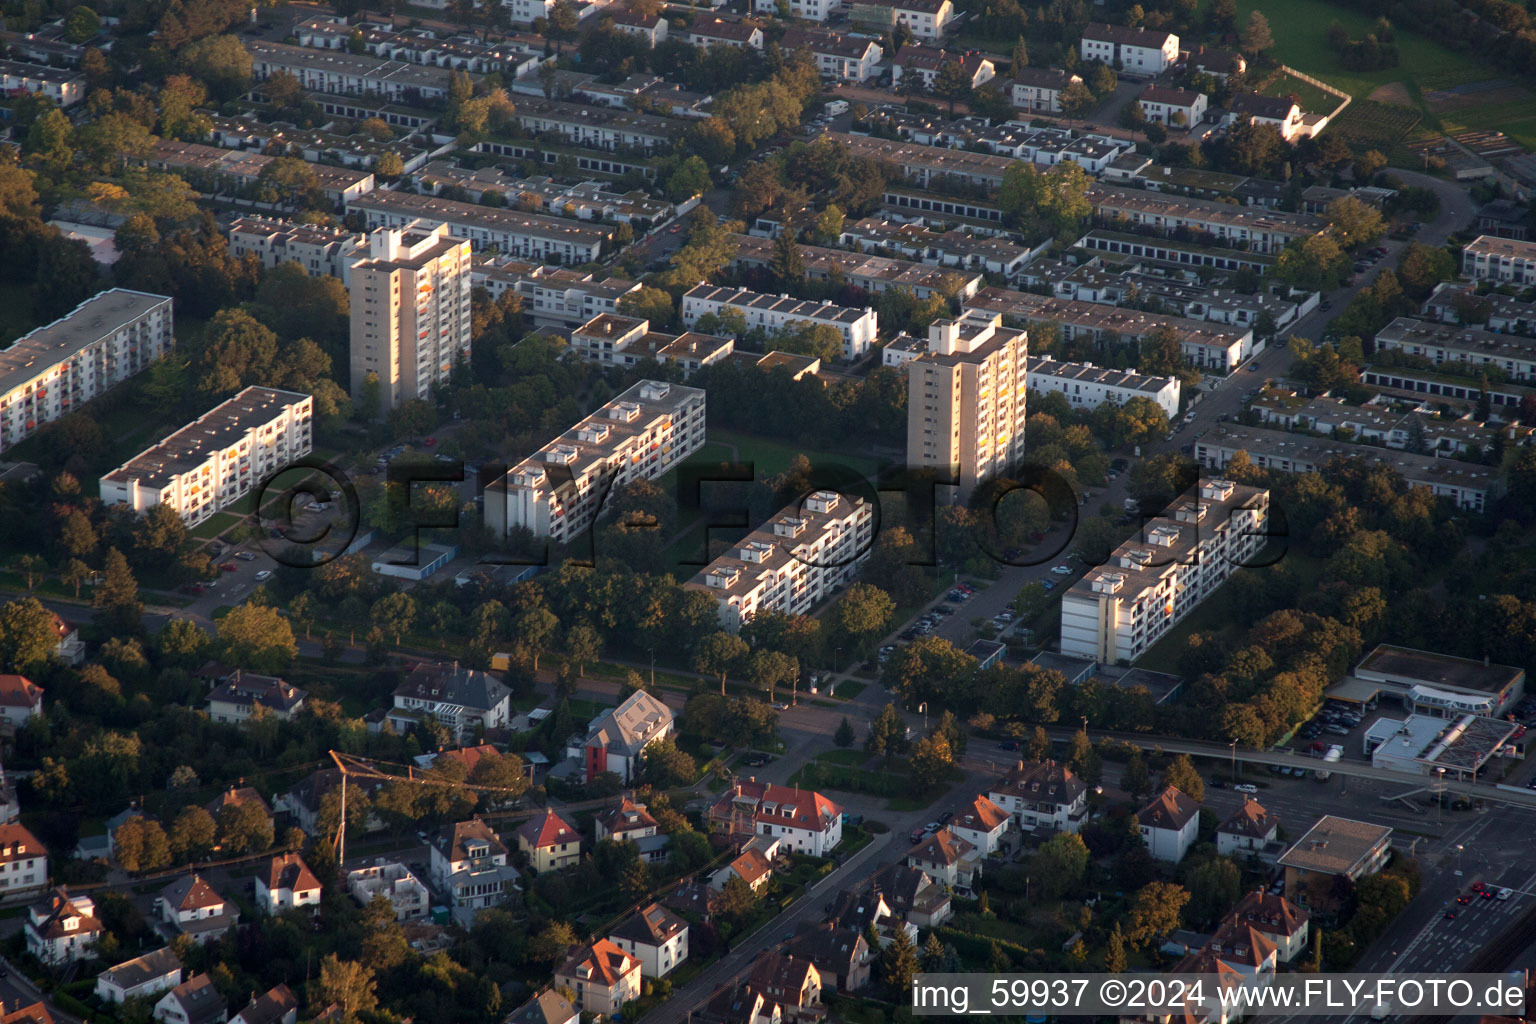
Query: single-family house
1177,108
1038,90
841,955
548,1007
20,700
191,907
287,884
23,860
462,699
656,937
1279,111
802,819
1042,794
754,865
1250,831
1139,51
469,862
982,824
947,859
236,699
1169,824
277,1005
61,928
141,977
602,976
1284,922
630,822
549,842
194,1001
618,737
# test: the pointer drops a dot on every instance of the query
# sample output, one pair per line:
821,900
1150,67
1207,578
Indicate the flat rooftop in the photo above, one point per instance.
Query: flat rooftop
1335,845
1409,665
100,316
484,218
1302,453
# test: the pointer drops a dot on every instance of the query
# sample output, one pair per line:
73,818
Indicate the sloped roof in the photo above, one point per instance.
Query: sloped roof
981,815
190,892
57,907
779,805
751,865
1275,108
1273,915
599,963
1170,809
943,847
1041,782
627,728
290,872
199,1000
1250,820
455,836
450,683
137,971
545,1008
626,817
652,926
781,978
1122,36
37,1013
469,757
18,691
233,797
548,830
270,1007
17,843
1240,942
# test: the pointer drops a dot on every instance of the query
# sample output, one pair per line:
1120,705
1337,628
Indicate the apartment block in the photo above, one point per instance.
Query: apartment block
1469,484
595,127
626,341
928,20
1183,108
65,87
1087,386
739,35
839,57
56,369
510,232
1465,350
320,250
1135,50
586,201
356,74
1487,258
1118,610
652,28
1038,90
808,10
966,400
1261,229
928,166
790,563
419,46
871,273
214,167
558,491
964,250
773,312
552,296
410,312
218,458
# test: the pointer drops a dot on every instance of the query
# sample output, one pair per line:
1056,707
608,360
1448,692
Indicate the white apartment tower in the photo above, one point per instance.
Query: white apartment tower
559,490
410,312
1118,610
966,398
218,458
791,562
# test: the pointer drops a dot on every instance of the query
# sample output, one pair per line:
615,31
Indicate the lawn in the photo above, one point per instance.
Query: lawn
849,690
214,525
852,758
1300,28
770,458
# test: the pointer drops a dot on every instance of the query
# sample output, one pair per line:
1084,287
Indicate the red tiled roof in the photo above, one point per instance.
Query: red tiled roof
943,847
19,691
601,963
982,816
16,843
290,872
1273,915
1170,809
795,807
550,830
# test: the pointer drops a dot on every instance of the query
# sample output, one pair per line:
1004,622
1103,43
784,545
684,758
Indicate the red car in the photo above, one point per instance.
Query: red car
1478,887
229,567
429,442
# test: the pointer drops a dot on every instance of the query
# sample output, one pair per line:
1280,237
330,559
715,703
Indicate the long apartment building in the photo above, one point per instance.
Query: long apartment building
56,369
1469,350
1086,386
1202,343
410,312
510,232
218,458
64,86
320,250
1261,229
966,400
596,127
627,341
552,296
873,274
354,74
772,312
1468,484
1118,610
953,248
557,492
1489,258
927,166
793,561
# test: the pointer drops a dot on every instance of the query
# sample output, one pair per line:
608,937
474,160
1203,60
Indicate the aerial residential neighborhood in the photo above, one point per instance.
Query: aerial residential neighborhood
556,511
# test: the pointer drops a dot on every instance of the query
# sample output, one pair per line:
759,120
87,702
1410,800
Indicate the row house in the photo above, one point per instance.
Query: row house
1179,108
319,249
858,327
1086,386
348,73
554,240
929,21
1501,260
552,296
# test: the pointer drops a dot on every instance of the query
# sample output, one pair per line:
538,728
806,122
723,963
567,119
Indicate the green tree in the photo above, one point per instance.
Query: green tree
244,828
221,62
1020,55
536,627
140,845
27,635
118,593
952,83
887,733
719,653
1214,885
193,834
83,24
394,614
347,985
667,766
1135,779
1181,775
1257,38
844,737
898,962
257,638
1354,223
50,141
649,303
583,644
389,165
737,898
74,574
931,761
863,614
771,669
1059,864
785,262
1155,910
1114,952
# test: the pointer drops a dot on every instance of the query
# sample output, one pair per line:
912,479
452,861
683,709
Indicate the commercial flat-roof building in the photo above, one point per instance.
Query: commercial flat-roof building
56,369
410,313
1335,847
1460,747
1505,260
1120,609
1468,484
217,459
556,492
511,232
966,399
1087,386
793,561
1437,685
775,312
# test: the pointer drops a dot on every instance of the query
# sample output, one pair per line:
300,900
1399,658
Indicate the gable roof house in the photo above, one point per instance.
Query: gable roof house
20,699
23,860
1282,921
236,698
277,1005
62,928
802,819
630,822
1042,794
194,1001
842,955
789,981
947,859
1132,50
548,1007
752,866
463,699
1243,947
618,736
143,976
602,976
656,937
1169,824
192,908
982,824
1278,111
1250,831
304,800
549,841
913,896
287,884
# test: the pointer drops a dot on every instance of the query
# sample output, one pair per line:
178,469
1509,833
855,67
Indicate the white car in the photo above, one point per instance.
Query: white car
1506,893
1245,787
265,574
1062,570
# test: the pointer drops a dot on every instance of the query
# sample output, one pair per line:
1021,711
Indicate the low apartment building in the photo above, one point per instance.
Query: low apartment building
350,148
839,57
774,312
213,168
1203,344
1469,485
588,200
1504,260
626,341
966,401
656,937
963,250
929,166
1178,255
1042,795
873,274
320,250
65,87
738,35
419,46
1134,50
792,562
344,72
1507,314
929,21
1120,609
1334,848
1087,386
219,458
1038,90
598,128
1465,351
549,842
799,820
652,28
511,232
1180,108
552,296
924,62
807,10
1254,227
395,882
54,370
558,491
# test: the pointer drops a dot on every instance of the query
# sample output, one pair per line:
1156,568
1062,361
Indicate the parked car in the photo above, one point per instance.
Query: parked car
1245,787
917,836
228,567
264,574
1062,570
245,556
1049,585
1008,745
